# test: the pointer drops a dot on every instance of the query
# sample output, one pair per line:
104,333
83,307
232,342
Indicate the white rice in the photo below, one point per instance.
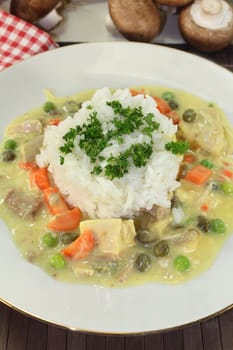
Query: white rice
99,196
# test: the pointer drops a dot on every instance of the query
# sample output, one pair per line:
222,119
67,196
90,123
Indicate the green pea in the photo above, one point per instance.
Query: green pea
173,104
168,96
226,187
189,115
49,107
217,226
50,240
10,144
207,163
181,263
57,261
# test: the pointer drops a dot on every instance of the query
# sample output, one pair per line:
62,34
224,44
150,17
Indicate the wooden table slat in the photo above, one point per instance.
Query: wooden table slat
211,335
37,335
226,328
154,342
56,338
4,325
18,332
193,337
76,340
174,340
115,343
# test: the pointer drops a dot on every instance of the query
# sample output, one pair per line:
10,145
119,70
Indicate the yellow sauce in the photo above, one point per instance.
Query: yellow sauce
28,234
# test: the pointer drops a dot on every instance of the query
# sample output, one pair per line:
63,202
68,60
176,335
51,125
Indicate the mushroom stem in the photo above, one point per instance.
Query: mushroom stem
51,20
211,7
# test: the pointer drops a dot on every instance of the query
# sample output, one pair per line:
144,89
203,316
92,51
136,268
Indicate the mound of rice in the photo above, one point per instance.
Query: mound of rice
97,195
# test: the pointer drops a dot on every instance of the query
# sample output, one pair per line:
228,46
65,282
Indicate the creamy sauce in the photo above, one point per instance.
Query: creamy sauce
28,234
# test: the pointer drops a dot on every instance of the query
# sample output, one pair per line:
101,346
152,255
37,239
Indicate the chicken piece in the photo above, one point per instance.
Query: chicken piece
24,204
158,212
206,131
113,236
26,127
30,149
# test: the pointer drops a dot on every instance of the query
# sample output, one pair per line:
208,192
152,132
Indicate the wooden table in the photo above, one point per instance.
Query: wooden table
18,332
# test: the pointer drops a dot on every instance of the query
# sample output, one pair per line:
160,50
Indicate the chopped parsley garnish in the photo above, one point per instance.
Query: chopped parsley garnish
177,147
93,139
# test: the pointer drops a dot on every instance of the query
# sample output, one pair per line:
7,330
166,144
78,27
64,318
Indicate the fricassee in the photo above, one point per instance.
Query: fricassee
119,187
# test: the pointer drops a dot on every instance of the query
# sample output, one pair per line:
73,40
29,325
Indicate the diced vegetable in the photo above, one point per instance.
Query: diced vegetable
198,174
50,240
57,261
228,173
174,116
226,187
217,226
162,105
207,163
189,157
10,144
55,201
204,207
81,247
181,263
41,178
54,121
49,107
137,92
66,221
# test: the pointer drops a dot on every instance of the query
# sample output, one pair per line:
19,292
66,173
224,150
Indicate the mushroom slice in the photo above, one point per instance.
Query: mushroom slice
136,20
33,10
173,2
207,24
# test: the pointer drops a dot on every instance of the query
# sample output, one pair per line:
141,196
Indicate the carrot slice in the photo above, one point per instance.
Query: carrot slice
204,207
55,201
227,173
54,121
41,178
198,174
28,166
174,116
66,221
162,105
137,92
189,158
81,247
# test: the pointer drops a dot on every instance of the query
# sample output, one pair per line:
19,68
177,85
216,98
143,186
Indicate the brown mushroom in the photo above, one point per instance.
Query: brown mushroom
207,24
138,20
32,10
176,3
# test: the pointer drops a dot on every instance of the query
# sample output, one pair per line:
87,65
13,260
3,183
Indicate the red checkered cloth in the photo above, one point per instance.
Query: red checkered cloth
19,40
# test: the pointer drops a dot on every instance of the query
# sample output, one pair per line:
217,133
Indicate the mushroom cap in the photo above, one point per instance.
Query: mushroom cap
175,3
137,20
32,10
204,39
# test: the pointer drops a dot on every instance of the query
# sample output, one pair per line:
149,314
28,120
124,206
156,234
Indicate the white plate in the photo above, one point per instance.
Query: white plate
146,308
